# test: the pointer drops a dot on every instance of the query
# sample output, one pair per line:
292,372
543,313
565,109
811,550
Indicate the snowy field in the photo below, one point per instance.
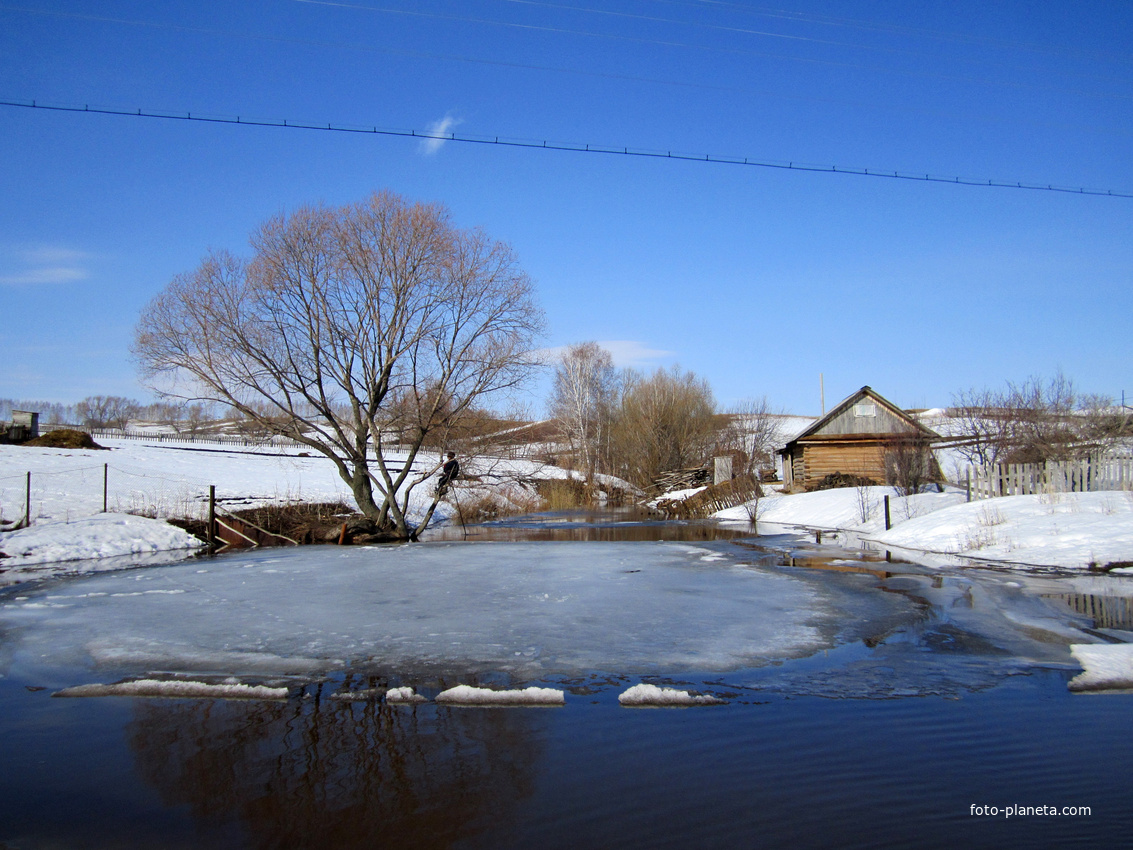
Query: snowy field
1071,531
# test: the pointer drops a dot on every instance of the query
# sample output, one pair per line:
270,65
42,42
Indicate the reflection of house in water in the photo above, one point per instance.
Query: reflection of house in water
851,439
1107,612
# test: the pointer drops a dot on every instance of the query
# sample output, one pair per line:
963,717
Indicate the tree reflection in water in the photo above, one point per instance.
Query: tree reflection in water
328,773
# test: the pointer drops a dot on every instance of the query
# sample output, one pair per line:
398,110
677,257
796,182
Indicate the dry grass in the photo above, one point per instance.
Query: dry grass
564,494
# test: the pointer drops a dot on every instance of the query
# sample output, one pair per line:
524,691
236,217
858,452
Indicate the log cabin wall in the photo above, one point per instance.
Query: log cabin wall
850,439
864,458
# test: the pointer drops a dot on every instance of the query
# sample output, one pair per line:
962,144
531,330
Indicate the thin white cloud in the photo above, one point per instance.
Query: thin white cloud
42,266
437,134
630,352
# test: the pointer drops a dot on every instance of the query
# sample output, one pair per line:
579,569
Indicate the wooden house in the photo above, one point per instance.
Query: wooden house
853,439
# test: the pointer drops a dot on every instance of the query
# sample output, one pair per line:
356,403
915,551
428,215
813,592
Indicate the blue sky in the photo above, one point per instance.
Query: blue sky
760,280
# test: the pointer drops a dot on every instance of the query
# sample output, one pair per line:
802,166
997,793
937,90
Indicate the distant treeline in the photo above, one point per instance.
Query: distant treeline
98,412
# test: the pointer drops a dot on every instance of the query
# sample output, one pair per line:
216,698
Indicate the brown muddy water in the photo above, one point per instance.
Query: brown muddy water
924,709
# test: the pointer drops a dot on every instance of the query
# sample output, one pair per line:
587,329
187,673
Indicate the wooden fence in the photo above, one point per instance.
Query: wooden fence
714,498
208,439
1073,476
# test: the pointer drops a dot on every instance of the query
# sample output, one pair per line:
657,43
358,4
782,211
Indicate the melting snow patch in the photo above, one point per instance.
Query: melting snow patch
404,696
651,695
468,695
1106,666
159,688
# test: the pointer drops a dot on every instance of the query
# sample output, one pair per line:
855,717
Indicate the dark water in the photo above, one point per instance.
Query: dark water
619,524
769,772
887,740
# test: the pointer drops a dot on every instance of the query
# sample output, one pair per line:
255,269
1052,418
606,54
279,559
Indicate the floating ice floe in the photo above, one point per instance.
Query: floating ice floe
1106,666
183,689
651,695
468,695
357,696
404,696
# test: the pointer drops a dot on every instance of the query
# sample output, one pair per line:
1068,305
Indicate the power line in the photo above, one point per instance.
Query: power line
621,77
572,147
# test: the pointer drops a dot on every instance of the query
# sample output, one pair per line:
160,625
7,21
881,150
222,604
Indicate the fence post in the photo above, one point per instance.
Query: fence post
888,524
105,475
968,485
27,503
212,518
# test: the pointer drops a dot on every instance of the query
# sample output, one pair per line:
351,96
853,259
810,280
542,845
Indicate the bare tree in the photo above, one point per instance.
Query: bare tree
582,400
1103,425
106,411
982,425
349,328
755,430
1034,421
665,422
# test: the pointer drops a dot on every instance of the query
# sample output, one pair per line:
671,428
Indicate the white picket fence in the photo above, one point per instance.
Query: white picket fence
1074,476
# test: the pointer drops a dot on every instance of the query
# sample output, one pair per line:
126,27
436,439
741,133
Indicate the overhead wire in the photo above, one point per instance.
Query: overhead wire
567,147
589,72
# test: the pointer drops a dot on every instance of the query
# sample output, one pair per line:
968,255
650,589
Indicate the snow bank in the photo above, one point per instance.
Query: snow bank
651,695
101,536
1106,666
860,509
404,696
468,695
182,689
1065,530
1060,530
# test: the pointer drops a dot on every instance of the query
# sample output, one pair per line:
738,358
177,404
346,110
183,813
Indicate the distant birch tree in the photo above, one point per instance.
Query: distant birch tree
347,329
582,400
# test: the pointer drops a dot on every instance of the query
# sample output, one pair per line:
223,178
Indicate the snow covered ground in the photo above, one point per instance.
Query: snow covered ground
1075,531
69,486
105,541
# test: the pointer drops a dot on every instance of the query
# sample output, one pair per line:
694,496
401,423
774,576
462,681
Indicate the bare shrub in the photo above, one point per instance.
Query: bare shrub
909,463
665,422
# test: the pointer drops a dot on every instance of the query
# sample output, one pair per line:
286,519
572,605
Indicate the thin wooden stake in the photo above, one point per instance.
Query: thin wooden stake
212,517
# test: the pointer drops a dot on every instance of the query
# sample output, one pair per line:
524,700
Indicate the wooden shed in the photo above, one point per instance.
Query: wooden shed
852,439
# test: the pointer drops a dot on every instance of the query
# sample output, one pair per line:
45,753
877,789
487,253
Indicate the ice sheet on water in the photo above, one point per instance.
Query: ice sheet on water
1106,667
179,689
525,609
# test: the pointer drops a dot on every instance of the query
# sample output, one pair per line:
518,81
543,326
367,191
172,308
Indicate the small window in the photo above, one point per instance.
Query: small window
865,410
